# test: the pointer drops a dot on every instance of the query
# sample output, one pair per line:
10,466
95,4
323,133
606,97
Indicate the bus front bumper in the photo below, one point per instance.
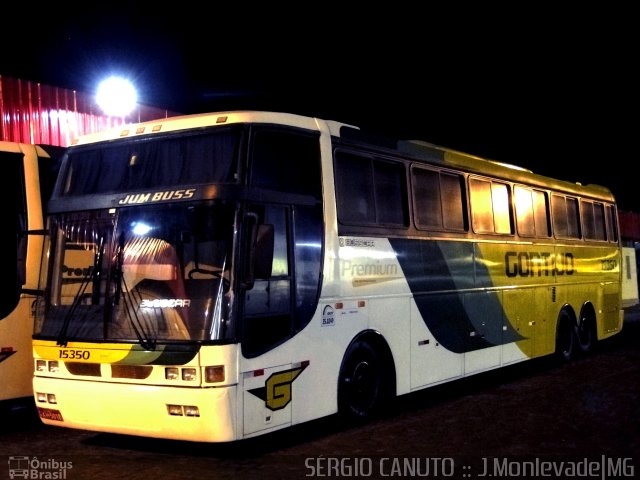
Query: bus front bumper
193,414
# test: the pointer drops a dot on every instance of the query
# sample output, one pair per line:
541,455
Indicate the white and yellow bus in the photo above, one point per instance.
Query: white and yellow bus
30,172
220,276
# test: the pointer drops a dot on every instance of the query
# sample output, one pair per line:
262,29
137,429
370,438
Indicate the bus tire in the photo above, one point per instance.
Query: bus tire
585,334
565,337
364,383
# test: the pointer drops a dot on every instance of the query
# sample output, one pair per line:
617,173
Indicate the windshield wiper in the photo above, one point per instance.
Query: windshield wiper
93,274
143,336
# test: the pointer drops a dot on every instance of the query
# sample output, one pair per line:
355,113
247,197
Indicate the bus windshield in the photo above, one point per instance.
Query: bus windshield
152,273
202,157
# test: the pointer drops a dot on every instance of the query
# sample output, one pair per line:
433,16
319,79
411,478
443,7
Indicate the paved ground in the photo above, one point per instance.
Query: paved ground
535,420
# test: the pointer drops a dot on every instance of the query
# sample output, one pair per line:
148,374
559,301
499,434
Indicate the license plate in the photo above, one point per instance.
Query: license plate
50,414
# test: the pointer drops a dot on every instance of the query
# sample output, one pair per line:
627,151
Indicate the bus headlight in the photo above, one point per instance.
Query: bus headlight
41,365
188,374
54,366
183,410
191,411
174,410
43,397
214,374
171,373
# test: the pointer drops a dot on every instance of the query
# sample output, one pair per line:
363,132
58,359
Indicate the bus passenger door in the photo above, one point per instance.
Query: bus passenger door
284,169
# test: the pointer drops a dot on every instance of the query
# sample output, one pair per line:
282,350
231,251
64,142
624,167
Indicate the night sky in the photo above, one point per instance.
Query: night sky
554,91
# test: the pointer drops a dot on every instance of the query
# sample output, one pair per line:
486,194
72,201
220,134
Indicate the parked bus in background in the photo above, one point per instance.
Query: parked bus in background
220,276
30,172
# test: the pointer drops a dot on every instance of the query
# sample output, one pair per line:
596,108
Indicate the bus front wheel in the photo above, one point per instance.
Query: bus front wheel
363,384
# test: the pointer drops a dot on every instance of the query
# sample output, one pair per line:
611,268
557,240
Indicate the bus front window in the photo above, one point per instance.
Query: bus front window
146,274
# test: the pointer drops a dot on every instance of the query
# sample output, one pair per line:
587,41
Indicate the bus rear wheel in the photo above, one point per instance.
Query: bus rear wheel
565,337
363,384
585,334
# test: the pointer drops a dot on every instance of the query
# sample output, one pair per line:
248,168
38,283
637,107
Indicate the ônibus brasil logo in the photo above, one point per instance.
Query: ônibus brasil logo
34,468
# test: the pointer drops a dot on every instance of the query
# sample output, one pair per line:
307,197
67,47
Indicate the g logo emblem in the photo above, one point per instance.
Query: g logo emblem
276,392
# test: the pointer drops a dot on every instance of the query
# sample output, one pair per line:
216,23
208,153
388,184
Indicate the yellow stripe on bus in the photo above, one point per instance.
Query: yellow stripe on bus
82,351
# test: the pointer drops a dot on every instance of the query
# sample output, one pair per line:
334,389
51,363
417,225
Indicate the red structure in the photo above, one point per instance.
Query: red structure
35,113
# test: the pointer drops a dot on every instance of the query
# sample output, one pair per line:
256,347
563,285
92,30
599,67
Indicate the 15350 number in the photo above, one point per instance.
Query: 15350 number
75,354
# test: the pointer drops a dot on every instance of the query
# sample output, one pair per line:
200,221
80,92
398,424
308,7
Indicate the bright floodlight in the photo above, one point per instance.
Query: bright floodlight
116,96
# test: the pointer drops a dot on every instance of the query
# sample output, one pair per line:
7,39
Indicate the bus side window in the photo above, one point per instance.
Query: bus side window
279,151
532,208
593,220
565,214
370,191
438,200
490,206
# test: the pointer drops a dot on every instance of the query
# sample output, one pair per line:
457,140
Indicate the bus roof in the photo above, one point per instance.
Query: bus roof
202,120
415,148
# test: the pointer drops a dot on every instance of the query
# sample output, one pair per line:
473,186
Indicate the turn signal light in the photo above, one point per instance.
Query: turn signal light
214,374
